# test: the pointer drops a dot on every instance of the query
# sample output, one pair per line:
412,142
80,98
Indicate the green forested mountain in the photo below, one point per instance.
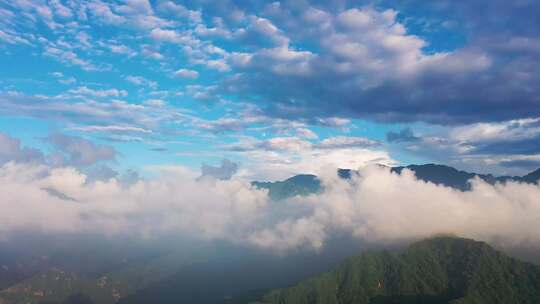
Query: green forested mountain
439,270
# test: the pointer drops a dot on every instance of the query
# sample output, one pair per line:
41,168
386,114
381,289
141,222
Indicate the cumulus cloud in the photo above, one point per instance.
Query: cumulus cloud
261,31
172,36
314,59
520,137
104,13
381,206
178,10
141,81
186,73
365,62
174,202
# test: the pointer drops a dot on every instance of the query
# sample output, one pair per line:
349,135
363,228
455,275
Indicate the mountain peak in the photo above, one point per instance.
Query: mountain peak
532,177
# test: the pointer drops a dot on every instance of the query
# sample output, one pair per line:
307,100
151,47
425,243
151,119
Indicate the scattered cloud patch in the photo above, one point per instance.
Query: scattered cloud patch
186,73
12,150
78,152
404,135
224,172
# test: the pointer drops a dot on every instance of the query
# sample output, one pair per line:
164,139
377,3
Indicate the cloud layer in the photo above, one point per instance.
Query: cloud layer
381,206
376,206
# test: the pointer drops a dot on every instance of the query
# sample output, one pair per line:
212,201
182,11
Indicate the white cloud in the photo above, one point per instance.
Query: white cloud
135,7
179,11
218,64
69,80
99,93
306,133
508,130
121,49
377,206
380,206
70,58
61,10
259,29
12,37
110,208
63,79
82,108
172,36
103,12
148,51
155,102
186,73
347,142
139,80
204,31
111,129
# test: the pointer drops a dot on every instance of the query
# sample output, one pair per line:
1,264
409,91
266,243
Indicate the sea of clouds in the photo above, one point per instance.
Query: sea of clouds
375,205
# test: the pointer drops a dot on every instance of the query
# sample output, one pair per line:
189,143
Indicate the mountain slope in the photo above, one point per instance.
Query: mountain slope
532,177
57,286
448,176
439,270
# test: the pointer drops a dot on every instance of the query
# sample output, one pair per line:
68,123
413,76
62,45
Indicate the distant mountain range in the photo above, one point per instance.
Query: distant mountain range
435,271
438,174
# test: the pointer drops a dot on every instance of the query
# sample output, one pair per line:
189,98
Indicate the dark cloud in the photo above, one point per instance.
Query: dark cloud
378,69
345,142
11,150
100,173
129,177
405,135
159,149
224,172
78,152
528,164
530,146
58,194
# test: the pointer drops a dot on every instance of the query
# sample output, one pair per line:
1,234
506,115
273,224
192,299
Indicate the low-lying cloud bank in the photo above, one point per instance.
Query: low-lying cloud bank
376,205
381,206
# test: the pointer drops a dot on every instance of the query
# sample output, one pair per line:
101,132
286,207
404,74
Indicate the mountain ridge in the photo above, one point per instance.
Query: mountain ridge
305,184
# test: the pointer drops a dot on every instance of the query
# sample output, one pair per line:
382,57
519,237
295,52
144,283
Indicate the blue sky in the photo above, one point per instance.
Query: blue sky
276,87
